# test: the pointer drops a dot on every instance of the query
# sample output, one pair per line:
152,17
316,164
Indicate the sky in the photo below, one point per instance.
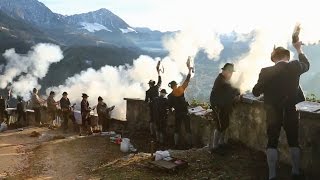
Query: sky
223,15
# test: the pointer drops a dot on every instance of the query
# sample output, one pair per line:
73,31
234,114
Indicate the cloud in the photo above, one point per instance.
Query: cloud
116,83
22,71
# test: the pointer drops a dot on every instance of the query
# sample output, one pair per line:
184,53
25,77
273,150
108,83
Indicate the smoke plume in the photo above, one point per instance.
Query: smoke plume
116,83
189,42
22,72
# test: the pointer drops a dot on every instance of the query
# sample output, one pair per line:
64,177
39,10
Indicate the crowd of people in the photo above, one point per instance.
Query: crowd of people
280,86
56,111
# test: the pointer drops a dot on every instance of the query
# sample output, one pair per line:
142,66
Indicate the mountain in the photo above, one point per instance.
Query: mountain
70,30
101,19
17,34
149,40
97,28
31,11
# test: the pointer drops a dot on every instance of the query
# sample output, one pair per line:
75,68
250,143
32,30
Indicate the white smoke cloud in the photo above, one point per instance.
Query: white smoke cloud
116,83
259,56
273,21
189,42
203,22
22,72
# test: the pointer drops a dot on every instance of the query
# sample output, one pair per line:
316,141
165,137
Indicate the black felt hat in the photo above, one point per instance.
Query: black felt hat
163,91
84,95
228,67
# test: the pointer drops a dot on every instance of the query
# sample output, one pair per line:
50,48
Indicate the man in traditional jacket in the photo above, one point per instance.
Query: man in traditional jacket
21,112
280,86
66,110
162,116
85,114
52,106
4,106
37,103
104,114
222,98
151,94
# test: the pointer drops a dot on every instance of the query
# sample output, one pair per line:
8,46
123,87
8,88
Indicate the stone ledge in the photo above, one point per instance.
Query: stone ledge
306,108
247,124
133,99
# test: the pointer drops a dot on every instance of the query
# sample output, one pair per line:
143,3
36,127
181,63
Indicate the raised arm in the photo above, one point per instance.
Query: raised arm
186,82
303,64
159,80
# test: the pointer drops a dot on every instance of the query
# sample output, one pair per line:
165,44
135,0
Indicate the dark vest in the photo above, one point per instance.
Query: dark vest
179,103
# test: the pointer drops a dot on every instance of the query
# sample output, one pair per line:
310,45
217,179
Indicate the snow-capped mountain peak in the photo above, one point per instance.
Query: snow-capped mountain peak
128,30
101,19
93,27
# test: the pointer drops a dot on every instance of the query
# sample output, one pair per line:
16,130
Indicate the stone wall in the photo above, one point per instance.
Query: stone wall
247,124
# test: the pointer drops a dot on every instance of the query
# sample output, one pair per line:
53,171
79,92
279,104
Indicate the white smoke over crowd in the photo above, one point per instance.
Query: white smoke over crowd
270,21
116,83
22,72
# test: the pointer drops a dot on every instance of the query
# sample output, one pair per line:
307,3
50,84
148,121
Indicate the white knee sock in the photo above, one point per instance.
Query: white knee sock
272,158
176,139
221,139
216,139
295,157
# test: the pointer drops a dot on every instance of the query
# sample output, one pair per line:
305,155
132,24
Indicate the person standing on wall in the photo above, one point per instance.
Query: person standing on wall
85,115
66,110
280,86
177,101
36,103
222,98
151,94
52,106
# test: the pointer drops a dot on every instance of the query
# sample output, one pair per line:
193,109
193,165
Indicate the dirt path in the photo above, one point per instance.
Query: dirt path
15,149
94,157
74,157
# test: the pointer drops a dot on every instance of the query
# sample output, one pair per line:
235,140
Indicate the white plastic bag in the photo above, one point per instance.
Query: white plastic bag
3,127
125,144
161,155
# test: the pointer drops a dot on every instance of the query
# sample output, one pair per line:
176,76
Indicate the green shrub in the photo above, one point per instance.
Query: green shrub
312,98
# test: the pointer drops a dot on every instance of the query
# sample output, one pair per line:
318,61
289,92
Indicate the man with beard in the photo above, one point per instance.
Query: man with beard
151,94
280,86
222,98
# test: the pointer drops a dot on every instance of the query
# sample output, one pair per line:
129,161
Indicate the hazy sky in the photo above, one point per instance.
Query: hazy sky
224,15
